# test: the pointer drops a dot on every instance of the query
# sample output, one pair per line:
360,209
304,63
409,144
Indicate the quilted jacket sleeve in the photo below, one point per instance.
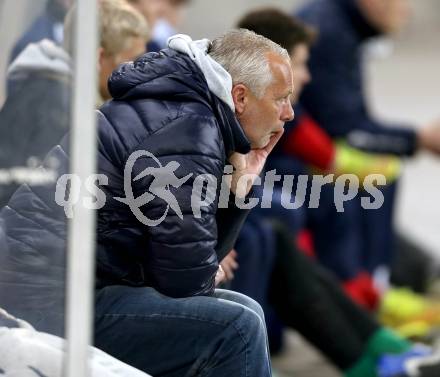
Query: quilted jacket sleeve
182,260
229,222
177,251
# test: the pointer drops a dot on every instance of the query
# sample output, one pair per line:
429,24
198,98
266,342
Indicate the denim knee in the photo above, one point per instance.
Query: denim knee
241,299
254,322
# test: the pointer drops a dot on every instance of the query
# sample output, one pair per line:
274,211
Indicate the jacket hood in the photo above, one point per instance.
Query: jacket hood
42,56
218,79
173,75
165,74
158,76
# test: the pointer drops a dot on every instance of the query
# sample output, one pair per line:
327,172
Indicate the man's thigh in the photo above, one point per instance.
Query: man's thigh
165,336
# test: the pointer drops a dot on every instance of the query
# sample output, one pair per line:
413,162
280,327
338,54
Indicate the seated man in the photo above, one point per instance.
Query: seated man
177,118
157,282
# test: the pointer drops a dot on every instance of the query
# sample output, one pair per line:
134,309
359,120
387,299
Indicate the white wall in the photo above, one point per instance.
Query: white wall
209,18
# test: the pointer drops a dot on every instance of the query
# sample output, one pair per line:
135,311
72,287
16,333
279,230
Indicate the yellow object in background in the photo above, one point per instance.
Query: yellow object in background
409,314
349,160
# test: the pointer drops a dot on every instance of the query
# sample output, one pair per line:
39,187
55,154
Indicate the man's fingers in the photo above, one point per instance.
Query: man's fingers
229,273
229,264
220,276
233,264
238,161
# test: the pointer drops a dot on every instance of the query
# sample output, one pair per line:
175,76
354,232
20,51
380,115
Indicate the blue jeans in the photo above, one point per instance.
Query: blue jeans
215,336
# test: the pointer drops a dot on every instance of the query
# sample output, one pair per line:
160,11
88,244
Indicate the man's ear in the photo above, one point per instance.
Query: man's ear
100,57
240,94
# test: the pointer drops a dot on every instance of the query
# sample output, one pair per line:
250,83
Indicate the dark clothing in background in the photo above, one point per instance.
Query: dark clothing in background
34,118
33,240
36,114
335,98
42,28
309,299
255,248
303,294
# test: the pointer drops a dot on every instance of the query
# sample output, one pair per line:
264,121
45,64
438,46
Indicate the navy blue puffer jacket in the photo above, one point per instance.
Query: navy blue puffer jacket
162,105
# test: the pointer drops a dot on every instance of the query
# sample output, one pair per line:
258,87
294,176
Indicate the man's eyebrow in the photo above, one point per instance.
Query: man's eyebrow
285,94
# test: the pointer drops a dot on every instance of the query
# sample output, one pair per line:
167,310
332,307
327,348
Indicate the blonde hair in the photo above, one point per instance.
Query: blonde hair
118,23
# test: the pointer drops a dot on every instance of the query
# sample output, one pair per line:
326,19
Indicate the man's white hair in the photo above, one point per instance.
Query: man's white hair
243,54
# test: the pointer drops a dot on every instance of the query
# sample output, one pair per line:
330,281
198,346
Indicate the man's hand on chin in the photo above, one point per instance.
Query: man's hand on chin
250,164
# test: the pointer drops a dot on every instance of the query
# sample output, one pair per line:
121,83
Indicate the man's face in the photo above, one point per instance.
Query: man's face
388,16
261,118
109,62
301,75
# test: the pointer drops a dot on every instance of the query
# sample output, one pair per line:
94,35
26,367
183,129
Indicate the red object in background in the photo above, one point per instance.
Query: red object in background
310,143
362,291
304,241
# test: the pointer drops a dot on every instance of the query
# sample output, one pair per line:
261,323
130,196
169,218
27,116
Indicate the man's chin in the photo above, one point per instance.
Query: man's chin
262,144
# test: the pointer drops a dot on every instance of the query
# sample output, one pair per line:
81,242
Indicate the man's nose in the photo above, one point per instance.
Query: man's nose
288,113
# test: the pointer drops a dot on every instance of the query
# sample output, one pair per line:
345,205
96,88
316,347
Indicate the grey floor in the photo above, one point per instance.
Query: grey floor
299,359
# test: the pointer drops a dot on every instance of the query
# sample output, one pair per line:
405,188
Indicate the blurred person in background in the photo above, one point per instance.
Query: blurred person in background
34,119
170,22
336,64
48,25
41,78
123,35
164,18
267,265
336,100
